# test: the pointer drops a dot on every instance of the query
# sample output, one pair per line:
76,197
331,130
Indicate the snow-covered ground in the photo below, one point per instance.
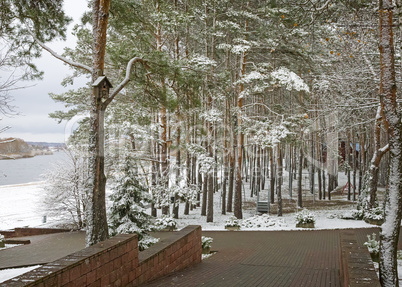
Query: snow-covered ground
20,206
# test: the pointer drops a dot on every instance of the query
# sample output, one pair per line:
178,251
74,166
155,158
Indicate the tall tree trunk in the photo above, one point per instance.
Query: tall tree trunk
154,167
178,163
97,228
232,168
164,158
189,167
225,158
291,163
354,165
312,169
300,178
204,195
376,159
272,179
361,158
258,170
319,160
393,203
238,212
279,180
348,166
252,161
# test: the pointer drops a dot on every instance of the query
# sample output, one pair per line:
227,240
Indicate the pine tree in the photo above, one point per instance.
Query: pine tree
128,213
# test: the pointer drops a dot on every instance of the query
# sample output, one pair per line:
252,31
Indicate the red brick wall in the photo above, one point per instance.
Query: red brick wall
183,249
116,262
21,232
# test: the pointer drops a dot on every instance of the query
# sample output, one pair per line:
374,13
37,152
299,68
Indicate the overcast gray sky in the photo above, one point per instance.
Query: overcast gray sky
33,102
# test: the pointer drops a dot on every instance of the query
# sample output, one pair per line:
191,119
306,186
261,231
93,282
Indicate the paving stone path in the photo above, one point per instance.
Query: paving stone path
258,258
242,258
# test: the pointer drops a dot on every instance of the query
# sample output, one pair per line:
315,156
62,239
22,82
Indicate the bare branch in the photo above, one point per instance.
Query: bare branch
64,59
265,106
125,80
323,6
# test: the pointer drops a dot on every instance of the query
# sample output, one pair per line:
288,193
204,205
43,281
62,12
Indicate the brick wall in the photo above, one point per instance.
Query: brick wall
21,232
181,250
117,262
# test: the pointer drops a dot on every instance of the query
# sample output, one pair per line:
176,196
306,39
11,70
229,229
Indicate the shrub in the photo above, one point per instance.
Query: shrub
305,216
232,222
128,212
372,244
206,242
374,214
165,222
358,214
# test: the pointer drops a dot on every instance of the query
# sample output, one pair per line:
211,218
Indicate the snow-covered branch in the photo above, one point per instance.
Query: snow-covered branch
64,59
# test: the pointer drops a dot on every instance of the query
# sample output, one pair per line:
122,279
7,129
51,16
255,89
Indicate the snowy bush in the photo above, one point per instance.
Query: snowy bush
232,222
165,222
372,244
258,221
206,163
160,193
128,213
188,193
305,216
206,242
146,241
66,189
289,80
358,214
374,214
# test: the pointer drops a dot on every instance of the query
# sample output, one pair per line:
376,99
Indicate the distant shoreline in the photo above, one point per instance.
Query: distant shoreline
28,155
23,184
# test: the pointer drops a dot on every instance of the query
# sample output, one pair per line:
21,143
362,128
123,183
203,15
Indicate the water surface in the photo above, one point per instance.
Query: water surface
28,169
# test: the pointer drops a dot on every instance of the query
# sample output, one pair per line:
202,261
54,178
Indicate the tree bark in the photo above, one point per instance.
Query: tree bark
300,178
178,163
272,175
348,166
97,228
279,180
376,160
393,203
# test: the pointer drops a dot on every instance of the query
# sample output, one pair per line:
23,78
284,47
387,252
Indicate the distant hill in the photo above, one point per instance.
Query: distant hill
14,148
46,144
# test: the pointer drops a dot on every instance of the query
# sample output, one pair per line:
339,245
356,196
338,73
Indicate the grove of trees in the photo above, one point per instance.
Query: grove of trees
212,95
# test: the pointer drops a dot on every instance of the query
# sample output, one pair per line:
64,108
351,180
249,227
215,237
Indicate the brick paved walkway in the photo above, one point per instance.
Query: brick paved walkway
258,258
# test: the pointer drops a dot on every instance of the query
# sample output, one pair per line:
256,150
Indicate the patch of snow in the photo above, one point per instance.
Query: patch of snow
19,205
7,274
206,256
